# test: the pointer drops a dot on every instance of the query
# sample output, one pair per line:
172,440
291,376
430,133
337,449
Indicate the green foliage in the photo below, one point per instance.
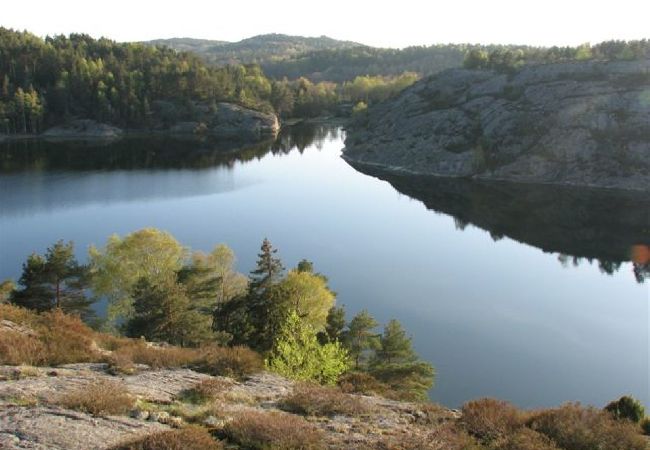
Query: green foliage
334,325
7,287
626,408
509,58
45,82
307,294
645,426
55,280
360,338
396,364
297,354
163,312
148,254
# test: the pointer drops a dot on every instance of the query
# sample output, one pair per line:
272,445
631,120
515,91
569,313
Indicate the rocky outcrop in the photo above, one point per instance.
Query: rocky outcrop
83,129
229,121
30,417
584,123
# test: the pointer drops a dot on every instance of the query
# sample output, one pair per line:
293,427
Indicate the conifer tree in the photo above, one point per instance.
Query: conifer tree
54,281
396,364
360,338
334,326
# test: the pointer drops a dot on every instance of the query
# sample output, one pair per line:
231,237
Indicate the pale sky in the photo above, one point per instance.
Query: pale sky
379,23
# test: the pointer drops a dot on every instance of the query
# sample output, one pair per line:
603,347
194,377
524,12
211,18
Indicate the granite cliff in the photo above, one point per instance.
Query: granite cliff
581,123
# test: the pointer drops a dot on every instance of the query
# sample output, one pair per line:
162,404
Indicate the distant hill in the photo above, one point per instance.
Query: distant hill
188,44
257,49
343,64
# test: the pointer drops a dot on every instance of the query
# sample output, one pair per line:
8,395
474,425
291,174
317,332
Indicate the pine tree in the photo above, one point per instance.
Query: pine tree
268,271
54,281
395,345
396,364
335,325
360,338
163,312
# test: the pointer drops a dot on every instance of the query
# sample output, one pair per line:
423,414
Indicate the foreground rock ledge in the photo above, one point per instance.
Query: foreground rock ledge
584,123
30,419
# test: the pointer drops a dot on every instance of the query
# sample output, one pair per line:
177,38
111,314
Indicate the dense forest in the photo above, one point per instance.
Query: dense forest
508,58
49,81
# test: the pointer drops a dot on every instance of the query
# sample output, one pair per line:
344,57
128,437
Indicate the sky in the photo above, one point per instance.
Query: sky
377,23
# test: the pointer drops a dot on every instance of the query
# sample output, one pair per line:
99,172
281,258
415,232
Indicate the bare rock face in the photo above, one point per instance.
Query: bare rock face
233,121
584,123
53,428
83,129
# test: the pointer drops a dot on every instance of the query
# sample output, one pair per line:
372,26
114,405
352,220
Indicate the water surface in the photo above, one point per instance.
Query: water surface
522,293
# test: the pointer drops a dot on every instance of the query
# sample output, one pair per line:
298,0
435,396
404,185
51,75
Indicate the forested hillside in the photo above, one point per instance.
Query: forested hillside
46,81
254,50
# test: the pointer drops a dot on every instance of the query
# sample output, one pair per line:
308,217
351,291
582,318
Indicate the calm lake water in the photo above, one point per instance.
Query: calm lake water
522,293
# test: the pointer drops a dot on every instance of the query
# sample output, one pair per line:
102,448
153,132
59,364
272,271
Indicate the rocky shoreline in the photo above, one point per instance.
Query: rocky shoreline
575,124
228,121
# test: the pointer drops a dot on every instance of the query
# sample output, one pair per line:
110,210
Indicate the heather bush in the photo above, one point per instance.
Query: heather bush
526,439
105,397
207,390
315,400
273,431
18,348
573,427
489,419
188,438
234,362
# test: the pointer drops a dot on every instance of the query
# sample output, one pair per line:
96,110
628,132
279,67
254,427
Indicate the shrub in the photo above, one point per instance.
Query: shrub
526,439
207,390
314,400
297,354
362,383
67,339
446,437
139,352
645,426
274,430
101,398
17,348
626,408
234,362
573,427
489,419
189,438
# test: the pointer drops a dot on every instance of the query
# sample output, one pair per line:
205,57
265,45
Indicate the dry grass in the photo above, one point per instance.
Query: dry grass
315,400
273,430
234,362
489,419
188,438
101,398
573,427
